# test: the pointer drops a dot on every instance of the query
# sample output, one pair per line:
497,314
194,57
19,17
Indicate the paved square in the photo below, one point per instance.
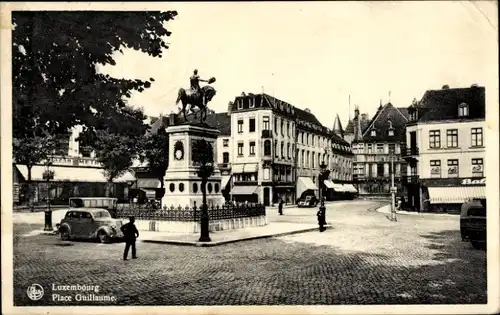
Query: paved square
362,259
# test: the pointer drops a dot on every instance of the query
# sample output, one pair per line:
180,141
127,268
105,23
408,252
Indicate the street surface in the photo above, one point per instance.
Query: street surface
363,259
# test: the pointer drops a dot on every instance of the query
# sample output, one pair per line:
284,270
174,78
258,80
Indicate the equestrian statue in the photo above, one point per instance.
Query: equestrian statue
196,96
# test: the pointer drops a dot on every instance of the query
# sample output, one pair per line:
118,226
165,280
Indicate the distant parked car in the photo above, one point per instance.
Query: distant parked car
90,223
308,201
473,223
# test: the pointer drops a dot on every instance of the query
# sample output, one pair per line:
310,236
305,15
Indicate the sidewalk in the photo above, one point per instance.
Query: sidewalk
387,210
273,229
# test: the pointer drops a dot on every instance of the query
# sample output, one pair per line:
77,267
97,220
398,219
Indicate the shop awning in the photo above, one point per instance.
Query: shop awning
303,184
329,184
150,193
73,174
237,168
244,190
446,195
148,183
349,188
251,168
224,181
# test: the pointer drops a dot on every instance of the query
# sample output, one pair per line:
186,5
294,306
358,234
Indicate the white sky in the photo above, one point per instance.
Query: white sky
314,55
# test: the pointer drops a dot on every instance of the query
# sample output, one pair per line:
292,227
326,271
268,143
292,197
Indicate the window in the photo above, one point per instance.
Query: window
435,168
302,137
225,157
240,103
267,173
392,148
265,123
282,131
302,158
282,150
307,159
463,110
267,147
380,170
452,138
240,149
252,147
209,188
252,102
373,133
195,188
181,187
452,168
391,132
476,137
380,148
240,126
225,142
276,125
312,140
288,129
276,154
369,148
251,125
85,151
312,159
477,168
289,155
172,187
216,184
434,139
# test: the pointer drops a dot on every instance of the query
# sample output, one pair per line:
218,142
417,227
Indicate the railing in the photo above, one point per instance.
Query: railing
411,151
412,179
267,134
192,214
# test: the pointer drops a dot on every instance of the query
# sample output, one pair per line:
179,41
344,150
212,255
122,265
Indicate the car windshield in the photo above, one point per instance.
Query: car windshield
102,214
308,198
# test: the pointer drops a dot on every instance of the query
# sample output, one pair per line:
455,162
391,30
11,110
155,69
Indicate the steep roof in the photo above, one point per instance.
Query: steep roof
386,117
350,128
220,121
304,118
337,126
443,104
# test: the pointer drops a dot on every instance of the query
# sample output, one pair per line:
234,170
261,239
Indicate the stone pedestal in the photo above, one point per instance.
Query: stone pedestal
181,182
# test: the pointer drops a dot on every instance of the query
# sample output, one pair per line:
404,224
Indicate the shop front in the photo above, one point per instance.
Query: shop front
448,194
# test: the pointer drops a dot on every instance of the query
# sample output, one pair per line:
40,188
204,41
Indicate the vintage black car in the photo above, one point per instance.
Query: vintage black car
473,223
308,201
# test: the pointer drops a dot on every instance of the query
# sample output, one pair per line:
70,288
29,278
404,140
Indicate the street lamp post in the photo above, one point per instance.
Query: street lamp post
322,208
48,176
393,191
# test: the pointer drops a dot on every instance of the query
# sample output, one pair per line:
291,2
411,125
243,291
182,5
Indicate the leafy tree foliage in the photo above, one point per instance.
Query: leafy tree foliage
156,150
29,151
56,84
203,157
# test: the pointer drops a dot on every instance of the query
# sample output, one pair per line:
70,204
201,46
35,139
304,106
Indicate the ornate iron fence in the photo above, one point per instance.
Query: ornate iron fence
191,214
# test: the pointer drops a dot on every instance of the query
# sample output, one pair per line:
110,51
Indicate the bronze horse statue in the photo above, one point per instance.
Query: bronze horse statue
199,100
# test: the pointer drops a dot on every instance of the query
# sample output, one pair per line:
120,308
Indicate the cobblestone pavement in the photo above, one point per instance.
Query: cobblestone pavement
363,259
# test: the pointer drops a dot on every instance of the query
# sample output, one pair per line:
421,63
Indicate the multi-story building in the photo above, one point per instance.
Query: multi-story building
377,148
352,131
277,148
76,173
446,149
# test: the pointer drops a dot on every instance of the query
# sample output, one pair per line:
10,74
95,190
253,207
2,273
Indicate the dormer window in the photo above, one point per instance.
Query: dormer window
240,103
391,129
463,110
252,102
373,133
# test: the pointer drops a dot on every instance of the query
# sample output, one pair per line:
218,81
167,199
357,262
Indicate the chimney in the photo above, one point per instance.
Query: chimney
171,119
446,87
307,110
356,112
229,107
364,116
474,85
358,133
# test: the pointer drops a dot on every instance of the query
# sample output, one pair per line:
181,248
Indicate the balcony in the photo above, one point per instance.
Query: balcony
411,179
267,134
410,153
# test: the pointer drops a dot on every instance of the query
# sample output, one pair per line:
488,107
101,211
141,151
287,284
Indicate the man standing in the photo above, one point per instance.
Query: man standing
280,207
130,234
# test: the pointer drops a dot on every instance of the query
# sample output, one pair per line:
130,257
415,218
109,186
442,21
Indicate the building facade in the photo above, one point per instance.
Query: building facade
377,151
278,150
446,149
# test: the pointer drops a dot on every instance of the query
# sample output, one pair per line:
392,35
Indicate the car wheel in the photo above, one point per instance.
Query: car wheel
103,237
478,244
65,234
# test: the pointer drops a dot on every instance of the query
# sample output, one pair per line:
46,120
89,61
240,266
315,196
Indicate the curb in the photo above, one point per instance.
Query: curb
218,243
417,213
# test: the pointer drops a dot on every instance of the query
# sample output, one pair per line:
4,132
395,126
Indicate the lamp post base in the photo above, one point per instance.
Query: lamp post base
48,221
204,222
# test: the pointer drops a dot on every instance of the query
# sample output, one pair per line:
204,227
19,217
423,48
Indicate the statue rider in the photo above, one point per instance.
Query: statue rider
195,81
